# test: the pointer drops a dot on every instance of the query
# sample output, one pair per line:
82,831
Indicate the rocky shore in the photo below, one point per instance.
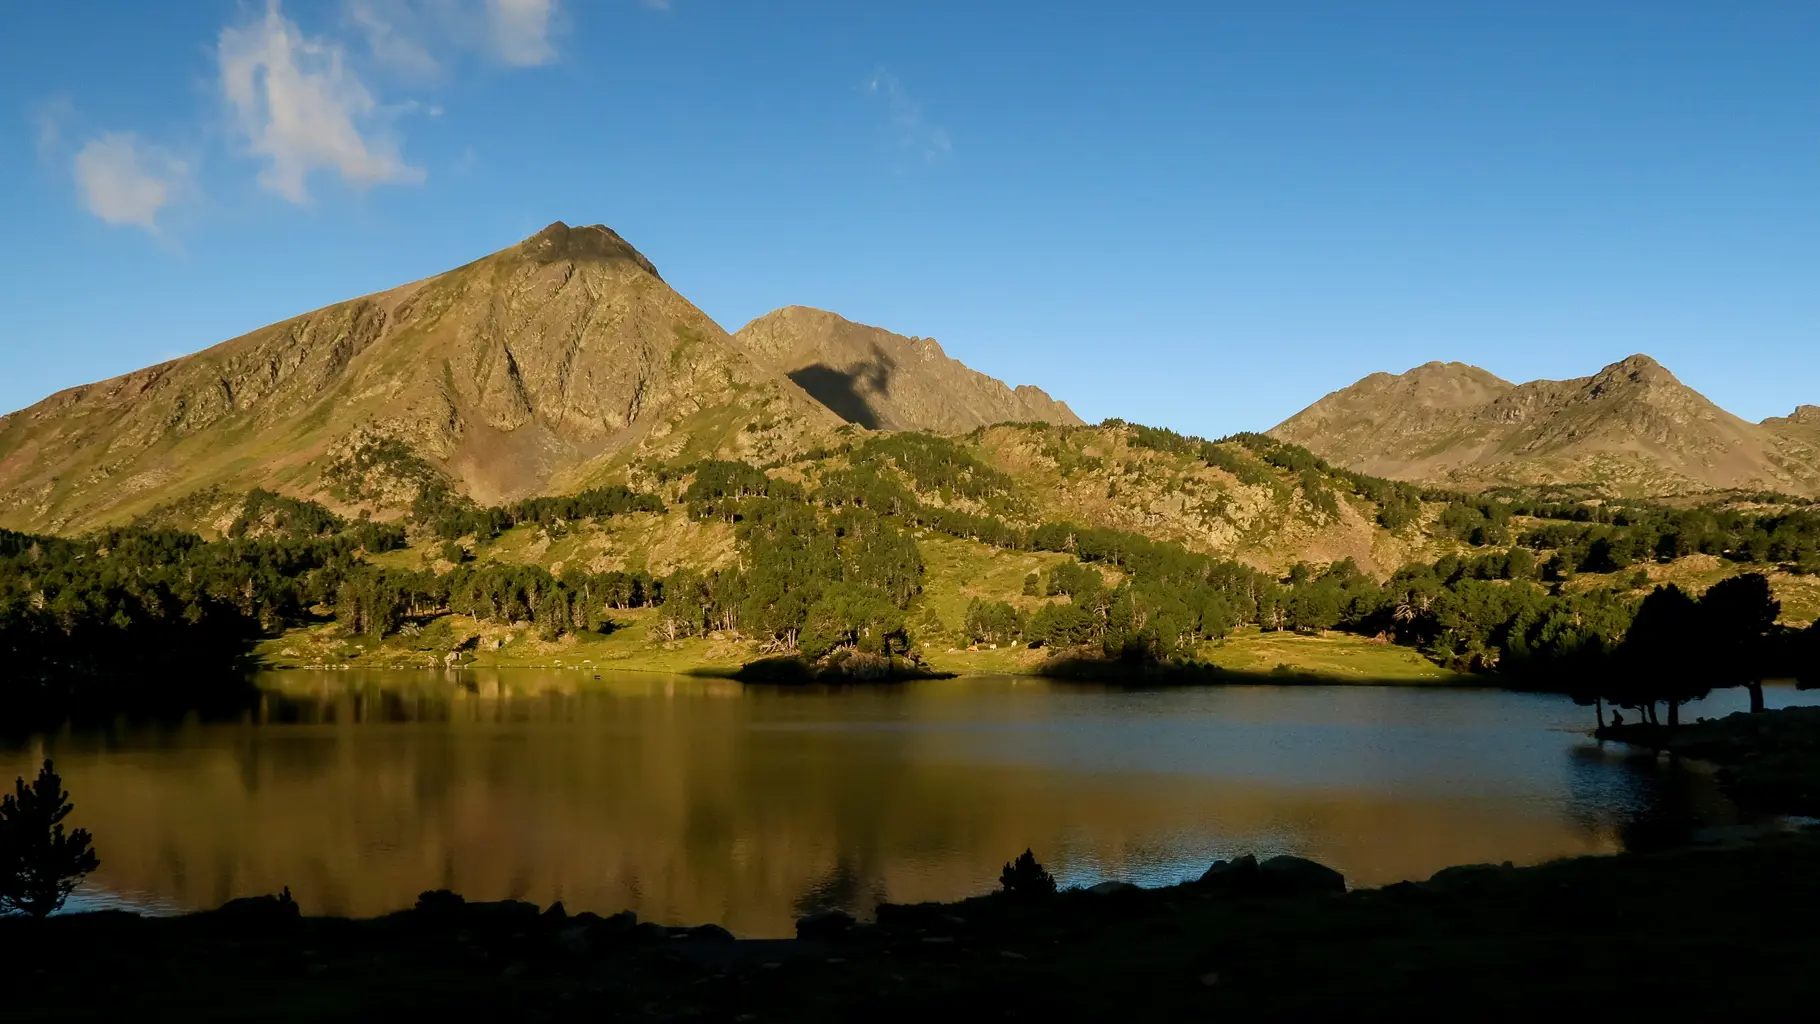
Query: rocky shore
1692,933
1769,760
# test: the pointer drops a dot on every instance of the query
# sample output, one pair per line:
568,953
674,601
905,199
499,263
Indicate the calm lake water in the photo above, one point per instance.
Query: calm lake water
693,800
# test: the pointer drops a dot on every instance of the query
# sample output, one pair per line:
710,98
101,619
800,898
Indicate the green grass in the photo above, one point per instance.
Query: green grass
631,646
1342,657
956,572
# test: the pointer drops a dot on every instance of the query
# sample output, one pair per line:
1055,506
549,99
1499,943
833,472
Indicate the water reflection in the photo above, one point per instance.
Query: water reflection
698,800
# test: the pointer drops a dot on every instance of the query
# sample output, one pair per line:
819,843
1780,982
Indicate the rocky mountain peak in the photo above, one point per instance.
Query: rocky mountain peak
560,242
1631,428
1636,369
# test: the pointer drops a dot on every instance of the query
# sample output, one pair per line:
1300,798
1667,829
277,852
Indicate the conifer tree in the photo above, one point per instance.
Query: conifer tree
40,864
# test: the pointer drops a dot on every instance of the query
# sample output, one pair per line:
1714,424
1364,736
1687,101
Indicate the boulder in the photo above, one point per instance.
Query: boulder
280,907
1235,876
825,924
1296,875
624,921
1470,877
709,933
1109,888
648,931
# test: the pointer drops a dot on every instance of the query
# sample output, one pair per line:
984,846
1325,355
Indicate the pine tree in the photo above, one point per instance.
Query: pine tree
40,864
1025,878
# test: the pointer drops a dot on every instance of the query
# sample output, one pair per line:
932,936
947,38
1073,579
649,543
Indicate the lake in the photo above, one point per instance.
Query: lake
692,800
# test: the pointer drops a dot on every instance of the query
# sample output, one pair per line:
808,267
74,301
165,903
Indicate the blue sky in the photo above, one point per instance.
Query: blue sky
1201,215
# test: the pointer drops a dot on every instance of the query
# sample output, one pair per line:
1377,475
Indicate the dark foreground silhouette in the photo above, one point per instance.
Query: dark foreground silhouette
1768,760
1696,933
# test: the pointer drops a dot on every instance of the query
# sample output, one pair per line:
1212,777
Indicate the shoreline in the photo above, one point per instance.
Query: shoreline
1278,939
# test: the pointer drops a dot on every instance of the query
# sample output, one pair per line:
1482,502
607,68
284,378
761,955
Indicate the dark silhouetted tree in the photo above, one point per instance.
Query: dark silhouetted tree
40,864
1026,879
1739,614
1807,656
1661,657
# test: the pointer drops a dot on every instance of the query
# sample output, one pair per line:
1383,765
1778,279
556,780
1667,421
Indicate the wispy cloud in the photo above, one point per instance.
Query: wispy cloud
306,105
395,36
912,132
48,120
124,180
419,39
521,31
300,108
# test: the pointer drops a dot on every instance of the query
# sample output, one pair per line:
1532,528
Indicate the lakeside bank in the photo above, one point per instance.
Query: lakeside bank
1689,933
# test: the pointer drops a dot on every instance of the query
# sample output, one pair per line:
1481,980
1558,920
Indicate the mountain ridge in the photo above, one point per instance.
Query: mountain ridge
885,381
1631,428
528,369
550,365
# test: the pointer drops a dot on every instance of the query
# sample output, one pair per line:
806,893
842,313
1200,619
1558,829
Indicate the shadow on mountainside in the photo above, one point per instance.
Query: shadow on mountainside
844,391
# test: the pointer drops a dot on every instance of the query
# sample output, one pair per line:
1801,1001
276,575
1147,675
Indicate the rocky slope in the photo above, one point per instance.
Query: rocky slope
872,377
1631,428
540,367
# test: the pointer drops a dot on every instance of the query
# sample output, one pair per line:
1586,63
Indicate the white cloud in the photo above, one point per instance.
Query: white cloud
301,108
396,36
125,181
914,133
520,31
420,39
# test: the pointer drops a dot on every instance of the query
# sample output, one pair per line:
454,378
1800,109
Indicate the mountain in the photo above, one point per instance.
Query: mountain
877,379
544,366
1632,428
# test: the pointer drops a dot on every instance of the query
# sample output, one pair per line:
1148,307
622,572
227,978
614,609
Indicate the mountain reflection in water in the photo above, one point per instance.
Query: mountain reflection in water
692,800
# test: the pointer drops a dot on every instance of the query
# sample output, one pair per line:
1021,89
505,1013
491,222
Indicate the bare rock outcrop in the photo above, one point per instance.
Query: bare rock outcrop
877,379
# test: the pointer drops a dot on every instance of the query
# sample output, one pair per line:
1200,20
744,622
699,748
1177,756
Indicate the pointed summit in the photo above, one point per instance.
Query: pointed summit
550,364
1631,428
560,242
1637,369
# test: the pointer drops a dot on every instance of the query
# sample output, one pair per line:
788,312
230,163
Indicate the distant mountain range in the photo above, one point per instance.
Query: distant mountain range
544,367
566,361
1630,429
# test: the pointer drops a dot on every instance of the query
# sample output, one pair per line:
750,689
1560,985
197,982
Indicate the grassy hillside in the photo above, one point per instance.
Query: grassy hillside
1013,549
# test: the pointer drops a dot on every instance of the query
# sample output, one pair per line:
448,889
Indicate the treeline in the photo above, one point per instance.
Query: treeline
811,579
833,565
450,517
122,608
378,603
1679,648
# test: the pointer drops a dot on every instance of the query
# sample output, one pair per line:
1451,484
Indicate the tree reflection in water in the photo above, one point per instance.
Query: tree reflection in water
693,800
